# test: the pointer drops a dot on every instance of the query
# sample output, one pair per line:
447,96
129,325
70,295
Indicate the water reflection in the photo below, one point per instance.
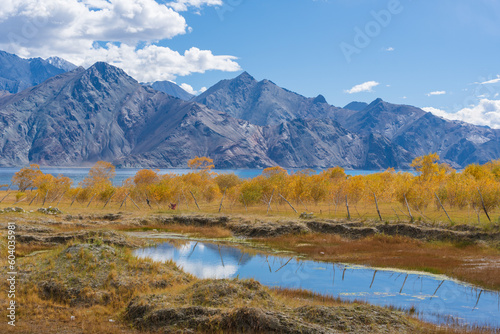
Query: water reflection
435,298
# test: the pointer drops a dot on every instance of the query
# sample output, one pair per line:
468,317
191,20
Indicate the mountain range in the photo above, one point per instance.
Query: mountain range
171,89
78,116
17,74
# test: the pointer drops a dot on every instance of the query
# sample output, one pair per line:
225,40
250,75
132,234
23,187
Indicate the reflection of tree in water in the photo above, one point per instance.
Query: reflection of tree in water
228,253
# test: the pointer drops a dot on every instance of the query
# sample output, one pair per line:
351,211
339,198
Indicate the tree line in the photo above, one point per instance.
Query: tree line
433,186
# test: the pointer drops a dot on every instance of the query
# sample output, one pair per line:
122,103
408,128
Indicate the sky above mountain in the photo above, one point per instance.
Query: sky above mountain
439,55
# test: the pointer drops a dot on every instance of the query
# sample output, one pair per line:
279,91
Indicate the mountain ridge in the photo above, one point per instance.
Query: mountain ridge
18,74
100,113
172,89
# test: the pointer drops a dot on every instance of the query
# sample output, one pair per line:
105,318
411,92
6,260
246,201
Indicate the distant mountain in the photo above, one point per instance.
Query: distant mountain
356,106
195,130
61,63
172,89
79,117
262,102
4,93
82,116
382,118
417,132
17,74
393,135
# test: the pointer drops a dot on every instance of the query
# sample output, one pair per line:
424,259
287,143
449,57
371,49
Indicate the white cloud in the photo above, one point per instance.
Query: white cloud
182,5
487,113
121,32
188,88
153,63
493,81
389,49
439,92
439,112
364,87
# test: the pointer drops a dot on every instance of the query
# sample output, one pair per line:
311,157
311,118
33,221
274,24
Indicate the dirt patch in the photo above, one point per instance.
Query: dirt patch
355,320
101,217
258,320
438,234
353,232
197,220
51,239
267,229
215,293
346,229
161,312
147,315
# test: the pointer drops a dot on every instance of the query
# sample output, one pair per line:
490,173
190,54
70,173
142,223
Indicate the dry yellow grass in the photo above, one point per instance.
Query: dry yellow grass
364,210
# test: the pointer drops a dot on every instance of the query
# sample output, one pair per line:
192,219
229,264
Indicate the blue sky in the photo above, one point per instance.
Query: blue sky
441,55
437,46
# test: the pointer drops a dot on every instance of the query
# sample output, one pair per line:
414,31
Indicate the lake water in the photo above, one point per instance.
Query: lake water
78,174
436,299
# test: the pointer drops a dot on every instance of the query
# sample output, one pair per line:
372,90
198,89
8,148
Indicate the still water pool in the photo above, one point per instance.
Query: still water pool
436,299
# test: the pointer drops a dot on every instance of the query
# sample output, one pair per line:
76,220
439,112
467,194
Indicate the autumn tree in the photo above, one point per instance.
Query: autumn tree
145,177
201,163
51,187
227,181
428,167
99,180
26,177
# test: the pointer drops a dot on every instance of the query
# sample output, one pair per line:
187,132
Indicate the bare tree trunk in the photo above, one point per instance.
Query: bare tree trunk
5,196
376,204
60,198
244,202
195,201
347,207
187,202
484,206
90,200
441,204
135,203
395,213
408,207
288,203
109,199
36,195
222,200
269,204
123,202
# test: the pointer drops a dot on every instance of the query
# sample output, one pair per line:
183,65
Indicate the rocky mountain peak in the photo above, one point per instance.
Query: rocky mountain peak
319,99
61,63
356,106
245,77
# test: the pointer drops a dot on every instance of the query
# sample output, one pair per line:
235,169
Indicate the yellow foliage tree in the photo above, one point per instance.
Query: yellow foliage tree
203,163
26,177
99,181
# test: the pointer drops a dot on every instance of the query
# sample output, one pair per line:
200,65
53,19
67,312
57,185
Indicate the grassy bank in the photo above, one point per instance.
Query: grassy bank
79,264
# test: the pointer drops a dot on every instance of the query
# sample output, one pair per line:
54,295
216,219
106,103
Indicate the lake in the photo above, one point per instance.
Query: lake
435,298
78,174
